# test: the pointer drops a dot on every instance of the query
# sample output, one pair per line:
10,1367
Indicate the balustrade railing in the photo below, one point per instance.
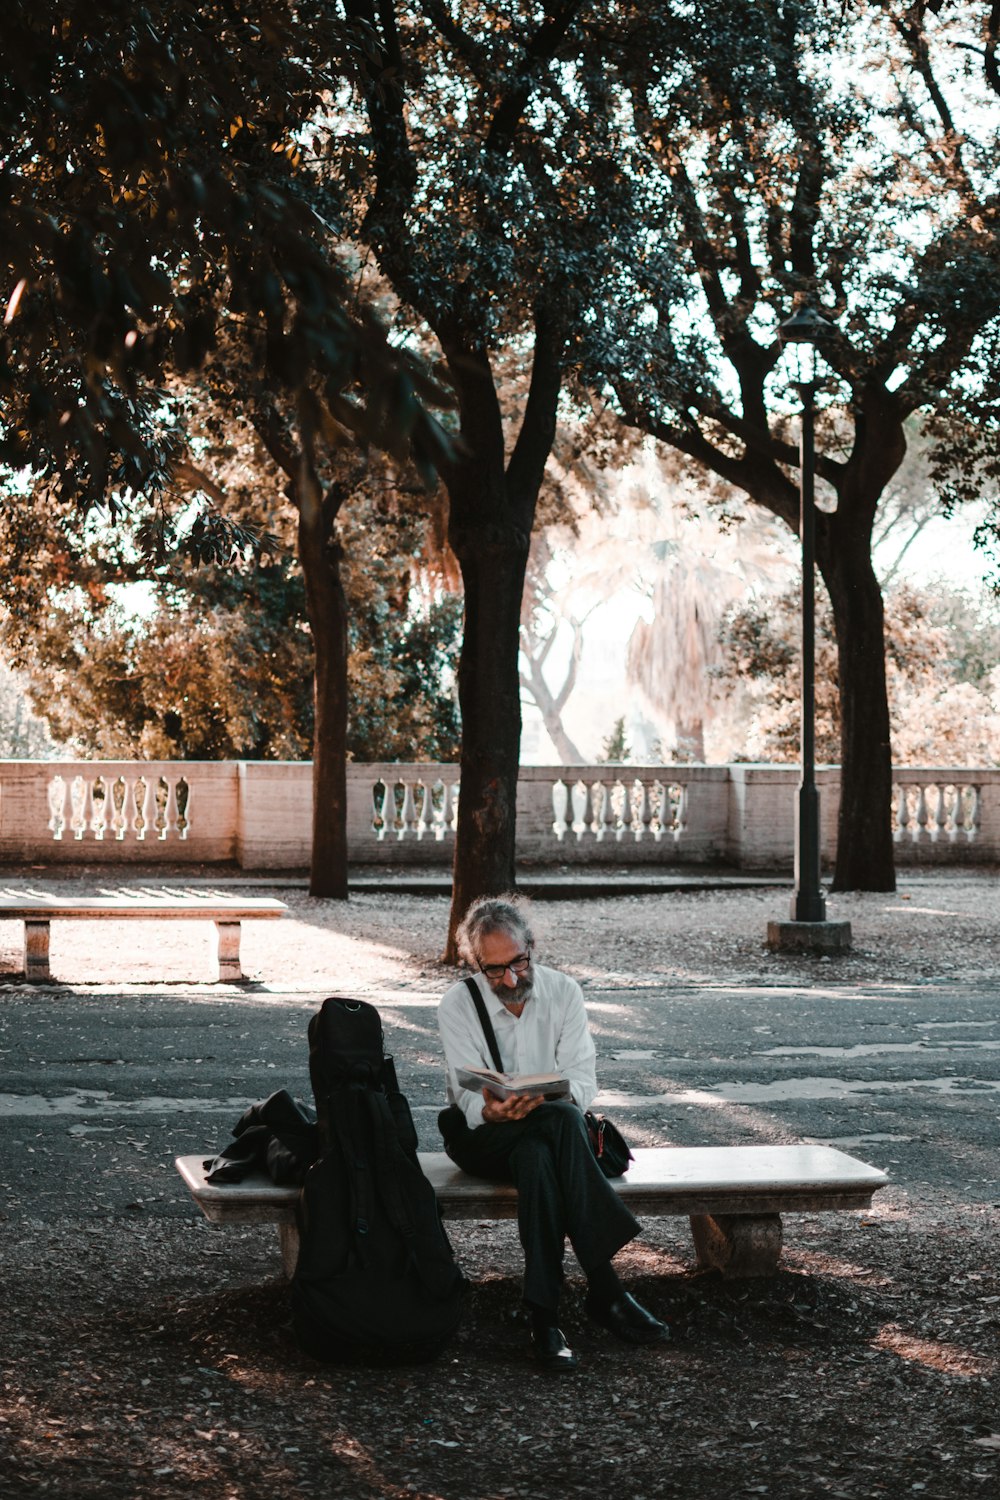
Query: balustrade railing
258,814
619,807
419,808
141,806
936,809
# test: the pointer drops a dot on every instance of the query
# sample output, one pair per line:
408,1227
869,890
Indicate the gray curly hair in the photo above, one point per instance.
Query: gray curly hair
491,914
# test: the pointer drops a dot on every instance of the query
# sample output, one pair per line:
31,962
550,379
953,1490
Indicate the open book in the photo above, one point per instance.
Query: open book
504,1085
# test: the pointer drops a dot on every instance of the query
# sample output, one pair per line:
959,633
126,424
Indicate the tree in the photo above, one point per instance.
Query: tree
154,185
616,750
498,205
780,182
943,658
187,662
23,736
168,197
696,559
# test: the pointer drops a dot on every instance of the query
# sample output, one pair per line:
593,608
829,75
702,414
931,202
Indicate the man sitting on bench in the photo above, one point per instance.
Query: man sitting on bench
542,1146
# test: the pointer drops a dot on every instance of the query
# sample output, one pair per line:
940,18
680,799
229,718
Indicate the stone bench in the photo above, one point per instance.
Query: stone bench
733,1195
38,910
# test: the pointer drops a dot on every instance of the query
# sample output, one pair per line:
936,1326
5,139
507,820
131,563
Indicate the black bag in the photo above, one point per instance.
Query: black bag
610,1146
376,1279
277,1135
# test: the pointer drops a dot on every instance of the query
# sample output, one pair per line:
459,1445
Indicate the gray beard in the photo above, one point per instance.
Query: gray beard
517,995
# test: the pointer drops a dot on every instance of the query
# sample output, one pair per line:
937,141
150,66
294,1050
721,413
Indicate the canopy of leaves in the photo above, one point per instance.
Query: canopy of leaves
797,154
162,176
218,665
943,652
184,661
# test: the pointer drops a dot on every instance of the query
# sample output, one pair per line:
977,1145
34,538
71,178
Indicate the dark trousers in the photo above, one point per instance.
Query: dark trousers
561,1192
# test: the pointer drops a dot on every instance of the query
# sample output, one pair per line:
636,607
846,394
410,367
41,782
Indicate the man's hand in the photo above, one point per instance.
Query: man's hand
497,1111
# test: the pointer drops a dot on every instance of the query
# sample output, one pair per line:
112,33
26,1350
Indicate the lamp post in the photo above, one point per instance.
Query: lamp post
808,927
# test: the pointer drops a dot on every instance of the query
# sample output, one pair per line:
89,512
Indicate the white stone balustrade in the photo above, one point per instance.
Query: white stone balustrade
620,806
119,808
258,814
936,807
421,808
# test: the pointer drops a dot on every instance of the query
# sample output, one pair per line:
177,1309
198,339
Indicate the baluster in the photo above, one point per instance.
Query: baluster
57,806
560,807
423,794
586,811
958,820
574,804
456,792
625,804
78,795
379,792
920,820
140,801
657,793
119,817
407,812
940,813
579,798
182,799
595,798
99,806
975,803
902,813
576,809
644,811
161,808
438,809
681,815
601,810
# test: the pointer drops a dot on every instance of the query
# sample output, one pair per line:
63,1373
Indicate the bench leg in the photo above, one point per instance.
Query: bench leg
229,950
738,1244
288,1235
36,949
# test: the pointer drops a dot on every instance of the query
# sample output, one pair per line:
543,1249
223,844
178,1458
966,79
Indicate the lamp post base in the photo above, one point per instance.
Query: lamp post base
809,937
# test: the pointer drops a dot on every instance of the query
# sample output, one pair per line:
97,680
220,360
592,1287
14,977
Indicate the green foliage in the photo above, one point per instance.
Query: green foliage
218,665
615,750
403,700
943,651
158,193
23,736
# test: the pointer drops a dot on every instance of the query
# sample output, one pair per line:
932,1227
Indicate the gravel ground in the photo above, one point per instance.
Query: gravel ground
143,1352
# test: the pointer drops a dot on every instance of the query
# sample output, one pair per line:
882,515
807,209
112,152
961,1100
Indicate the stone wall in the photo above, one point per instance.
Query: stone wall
257,814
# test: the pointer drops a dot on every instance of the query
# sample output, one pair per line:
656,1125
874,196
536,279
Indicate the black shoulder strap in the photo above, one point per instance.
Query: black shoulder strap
485,1023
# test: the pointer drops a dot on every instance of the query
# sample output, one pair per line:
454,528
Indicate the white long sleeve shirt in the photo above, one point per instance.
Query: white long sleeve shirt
551,1033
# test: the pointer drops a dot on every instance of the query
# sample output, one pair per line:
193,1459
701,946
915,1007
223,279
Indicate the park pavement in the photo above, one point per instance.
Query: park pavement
702,1035
133,1055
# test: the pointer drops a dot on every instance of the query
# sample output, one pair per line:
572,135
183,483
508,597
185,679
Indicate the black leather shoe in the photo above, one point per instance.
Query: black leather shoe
627,1319
551,1349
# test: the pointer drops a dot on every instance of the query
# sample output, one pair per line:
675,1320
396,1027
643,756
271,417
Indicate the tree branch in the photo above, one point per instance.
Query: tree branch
538,425
466,48
541,49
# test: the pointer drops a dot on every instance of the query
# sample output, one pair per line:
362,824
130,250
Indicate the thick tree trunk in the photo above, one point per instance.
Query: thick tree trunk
491,513
493,563
865,859
327,606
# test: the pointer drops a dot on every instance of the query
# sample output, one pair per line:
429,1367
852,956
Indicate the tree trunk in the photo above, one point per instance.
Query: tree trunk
865,856
320,557
549,706
490,516
493,564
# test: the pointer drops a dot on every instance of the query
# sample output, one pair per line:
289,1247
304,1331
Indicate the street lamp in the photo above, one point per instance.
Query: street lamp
807,328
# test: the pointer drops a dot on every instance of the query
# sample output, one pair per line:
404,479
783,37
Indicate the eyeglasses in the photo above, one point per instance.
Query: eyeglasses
517,965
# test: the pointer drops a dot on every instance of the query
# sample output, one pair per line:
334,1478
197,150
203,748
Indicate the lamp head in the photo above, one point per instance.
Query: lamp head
805,326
